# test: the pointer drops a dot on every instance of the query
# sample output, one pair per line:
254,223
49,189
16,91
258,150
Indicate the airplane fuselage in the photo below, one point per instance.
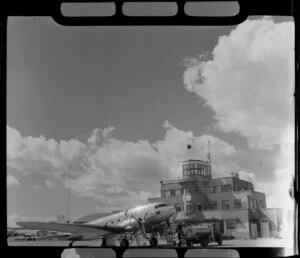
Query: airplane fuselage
152,214
128,221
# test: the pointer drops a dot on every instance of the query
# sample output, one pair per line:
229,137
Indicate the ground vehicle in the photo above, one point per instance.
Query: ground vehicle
203,234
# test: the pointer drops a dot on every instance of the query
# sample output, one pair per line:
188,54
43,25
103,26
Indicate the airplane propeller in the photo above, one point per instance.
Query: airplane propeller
141,222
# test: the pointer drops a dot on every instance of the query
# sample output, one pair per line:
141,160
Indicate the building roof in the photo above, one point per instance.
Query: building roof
179,180
173,186
195,160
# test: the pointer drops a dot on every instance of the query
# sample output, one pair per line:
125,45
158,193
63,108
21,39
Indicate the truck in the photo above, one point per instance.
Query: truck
203,234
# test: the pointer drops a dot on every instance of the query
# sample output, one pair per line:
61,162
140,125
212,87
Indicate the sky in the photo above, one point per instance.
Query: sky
115,107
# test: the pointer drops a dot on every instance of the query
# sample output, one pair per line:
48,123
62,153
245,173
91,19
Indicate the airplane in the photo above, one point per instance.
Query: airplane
124,224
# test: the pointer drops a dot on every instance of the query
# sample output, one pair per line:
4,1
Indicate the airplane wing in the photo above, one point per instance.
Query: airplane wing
73,228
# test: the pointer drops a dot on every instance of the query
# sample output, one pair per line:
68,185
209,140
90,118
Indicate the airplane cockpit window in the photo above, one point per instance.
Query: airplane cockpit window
160,205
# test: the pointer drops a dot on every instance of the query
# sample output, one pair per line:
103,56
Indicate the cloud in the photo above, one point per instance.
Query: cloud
11,181
248,83
159,103
35,187
174,148
116,173
13,218
50,184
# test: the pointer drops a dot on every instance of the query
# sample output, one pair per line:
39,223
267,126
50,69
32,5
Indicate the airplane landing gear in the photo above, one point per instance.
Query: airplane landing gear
153,241
104,243
124,242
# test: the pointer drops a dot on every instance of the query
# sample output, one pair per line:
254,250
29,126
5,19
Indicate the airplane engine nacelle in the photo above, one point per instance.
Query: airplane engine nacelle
41,233
130,224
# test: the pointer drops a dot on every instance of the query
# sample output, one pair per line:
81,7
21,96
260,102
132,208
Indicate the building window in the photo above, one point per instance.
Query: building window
214,205
178,192
225,205
168,193
199,207
190,189
231,223
190,208
163,194
254,204
213,189
238,203
172,192
226,188
178,209
201,169
261,203
196,189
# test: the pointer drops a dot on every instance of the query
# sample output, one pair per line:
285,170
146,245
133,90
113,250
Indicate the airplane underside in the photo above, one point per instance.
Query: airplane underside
128,239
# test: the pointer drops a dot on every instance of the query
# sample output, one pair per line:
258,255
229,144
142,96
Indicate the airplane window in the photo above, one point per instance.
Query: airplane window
160,205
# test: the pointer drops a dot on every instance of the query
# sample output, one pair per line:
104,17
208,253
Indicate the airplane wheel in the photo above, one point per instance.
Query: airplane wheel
103,244
204,242
124,243
153,241
219,240
189,243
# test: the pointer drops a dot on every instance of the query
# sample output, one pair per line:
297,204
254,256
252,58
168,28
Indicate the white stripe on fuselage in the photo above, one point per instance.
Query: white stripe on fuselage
119,217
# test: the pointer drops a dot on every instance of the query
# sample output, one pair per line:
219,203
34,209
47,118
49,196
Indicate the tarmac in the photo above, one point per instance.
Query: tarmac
260,242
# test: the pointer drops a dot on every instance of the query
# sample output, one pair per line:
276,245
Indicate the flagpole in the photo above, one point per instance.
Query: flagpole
193,147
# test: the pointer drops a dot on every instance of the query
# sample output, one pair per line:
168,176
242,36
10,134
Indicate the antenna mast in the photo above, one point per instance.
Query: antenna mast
209,155
69,199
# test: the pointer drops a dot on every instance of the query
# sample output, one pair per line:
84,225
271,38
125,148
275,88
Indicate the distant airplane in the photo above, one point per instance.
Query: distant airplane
122,225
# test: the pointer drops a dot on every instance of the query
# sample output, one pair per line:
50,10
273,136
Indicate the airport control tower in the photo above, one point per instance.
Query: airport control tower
201,196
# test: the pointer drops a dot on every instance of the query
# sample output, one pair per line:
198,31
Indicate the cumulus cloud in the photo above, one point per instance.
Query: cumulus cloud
114,172
50,184
248,83
11,181
174,148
